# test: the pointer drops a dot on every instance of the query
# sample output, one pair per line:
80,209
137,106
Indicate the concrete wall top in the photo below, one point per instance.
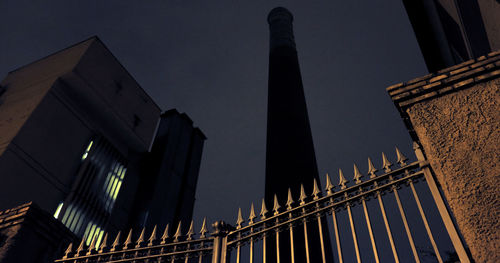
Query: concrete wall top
447,80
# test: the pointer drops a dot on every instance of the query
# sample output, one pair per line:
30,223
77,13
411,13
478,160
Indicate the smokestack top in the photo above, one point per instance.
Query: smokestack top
279,13
281,28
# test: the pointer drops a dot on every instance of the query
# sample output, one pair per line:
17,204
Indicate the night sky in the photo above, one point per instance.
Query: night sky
210,60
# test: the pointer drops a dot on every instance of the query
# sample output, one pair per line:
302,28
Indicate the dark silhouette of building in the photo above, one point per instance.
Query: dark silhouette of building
450,32
80,138
170,173
290,157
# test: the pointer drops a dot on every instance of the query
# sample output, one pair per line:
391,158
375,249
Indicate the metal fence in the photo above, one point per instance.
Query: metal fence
225,243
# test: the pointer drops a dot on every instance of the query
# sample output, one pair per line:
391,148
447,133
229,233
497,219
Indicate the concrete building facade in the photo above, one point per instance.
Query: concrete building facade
80,138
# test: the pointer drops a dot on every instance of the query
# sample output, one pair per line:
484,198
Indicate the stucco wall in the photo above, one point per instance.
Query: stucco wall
460,133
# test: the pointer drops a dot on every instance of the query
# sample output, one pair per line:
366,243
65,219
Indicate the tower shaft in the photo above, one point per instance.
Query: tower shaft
290,157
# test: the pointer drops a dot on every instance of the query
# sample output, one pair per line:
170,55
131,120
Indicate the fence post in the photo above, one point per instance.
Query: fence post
456,240
221,229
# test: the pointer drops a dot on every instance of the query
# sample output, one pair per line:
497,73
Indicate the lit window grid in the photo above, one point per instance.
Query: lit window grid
76,216
77,212
93,231
114,181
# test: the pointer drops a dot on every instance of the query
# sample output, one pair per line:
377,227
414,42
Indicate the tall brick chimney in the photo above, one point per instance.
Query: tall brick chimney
281,28
290,158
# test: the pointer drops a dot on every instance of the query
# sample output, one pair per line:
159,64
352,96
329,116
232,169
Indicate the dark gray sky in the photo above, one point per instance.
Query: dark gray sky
210,60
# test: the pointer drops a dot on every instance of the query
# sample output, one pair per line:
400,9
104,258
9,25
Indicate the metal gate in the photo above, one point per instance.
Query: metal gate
247,242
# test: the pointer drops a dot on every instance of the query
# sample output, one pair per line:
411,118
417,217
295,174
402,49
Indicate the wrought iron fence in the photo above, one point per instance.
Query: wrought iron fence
225,240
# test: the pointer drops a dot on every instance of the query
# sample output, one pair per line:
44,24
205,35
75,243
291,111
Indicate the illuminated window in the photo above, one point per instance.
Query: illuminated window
86,154
93,231
99,235
58,210
87,209
113,184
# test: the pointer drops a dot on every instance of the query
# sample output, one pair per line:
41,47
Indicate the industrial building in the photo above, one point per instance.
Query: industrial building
81,140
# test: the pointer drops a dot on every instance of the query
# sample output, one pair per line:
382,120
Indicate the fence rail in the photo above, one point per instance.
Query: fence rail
225,240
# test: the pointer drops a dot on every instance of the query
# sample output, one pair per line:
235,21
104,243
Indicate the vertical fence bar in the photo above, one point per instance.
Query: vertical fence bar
320,228
306,240
353,231
426,224
250,221
405,223
264,237
370,231
216,248
302,199
200,256
337,237
263,212
387,227
173,256
223,254
251,246
292,249
276,208
186,258
238,244
277,246
457,242
343,185
238,249
289,203
328,188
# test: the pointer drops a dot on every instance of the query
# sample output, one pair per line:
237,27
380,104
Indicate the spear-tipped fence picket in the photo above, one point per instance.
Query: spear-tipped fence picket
223,240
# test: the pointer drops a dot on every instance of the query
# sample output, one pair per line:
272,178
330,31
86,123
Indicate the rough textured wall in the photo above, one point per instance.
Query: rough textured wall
460,133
